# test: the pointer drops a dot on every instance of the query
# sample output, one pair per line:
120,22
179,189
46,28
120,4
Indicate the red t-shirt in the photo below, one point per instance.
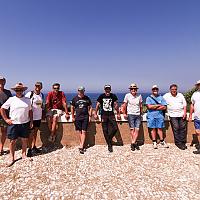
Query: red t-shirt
56,100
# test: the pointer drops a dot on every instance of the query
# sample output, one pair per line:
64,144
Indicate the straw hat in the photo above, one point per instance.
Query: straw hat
19,86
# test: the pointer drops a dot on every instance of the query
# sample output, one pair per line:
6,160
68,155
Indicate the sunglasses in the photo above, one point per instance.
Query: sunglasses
155,89
56,88
133,89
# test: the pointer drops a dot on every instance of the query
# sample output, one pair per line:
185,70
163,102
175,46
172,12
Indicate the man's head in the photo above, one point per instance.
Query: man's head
133,88
173,89
38,86
19,88
81,90
155,90
56,87
107,89
2,81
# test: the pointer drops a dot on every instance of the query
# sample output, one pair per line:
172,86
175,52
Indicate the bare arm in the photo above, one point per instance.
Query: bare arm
6,119
96,110
117,109
72,112
191,111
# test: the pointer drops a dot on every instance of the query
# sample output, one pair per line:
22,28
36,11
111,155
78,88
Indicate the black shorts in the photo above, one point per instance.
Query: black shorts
81,125
18,130
36,123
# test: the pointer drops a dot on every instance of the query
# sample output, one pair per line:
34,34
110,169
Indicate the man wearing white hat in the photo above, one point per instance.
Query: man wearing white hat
195,108
4,95
132,110
155,118
20,119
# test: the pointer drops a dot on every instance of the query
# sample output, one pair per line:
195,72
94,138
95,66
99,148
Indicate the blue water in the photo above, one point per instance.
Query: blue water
94,96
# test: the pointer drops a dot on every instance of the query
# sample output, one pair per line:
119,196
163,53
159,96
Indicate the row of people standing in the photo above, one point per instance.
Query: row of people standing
56,104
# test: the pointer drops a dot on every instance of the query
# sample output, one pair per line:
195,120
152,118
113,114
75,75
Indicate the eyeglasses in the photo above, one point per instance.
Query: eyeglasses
56,88
135,89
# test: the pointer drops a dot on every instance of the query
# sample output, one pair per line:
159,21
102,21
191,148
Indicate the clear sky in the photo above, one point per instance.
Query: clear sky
93,42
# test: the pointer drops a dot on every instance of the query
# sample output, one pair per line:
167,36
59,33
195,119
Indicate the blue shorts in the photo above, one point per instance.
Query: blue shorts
18,130
155,122
81,125
134,121
197,124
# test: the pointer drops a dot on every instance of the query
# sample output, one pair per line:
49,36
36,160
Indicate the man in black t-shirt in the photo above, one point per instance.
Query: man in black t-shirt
107,103
81,111
4,95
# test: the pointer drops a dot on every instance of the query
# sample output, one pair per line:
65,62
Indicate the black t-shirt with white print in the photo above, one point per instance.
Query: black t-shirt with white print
107,103
81,106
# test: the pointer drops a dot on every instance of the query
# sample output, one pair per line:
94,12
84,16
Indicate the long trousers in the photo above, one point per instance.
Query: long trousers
109,126
179,129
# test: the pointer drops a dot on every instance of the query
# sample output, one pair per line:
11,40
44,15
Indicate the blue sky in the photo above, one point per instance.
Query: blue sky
93,42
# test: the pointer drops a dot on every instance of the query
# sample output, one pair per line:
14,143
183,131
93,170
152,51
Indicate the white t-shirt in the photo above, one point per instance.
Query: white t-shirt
195,99
36,102
133,104
19,109
175,105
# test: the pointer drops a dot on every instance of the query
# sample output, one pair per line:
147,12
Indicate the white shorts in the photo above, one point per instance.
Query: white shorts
55,113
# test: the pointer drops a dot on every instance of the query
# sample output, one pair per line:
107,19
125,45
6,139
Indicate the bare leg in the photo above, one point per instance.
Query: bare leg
3,138
12,150
134,135
34,137
54,123
153,134
24,146
82,138
160,133
29,141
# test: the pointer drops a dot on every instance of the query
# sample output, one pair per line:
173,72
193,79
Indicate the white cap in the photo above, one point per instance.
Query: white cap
154,86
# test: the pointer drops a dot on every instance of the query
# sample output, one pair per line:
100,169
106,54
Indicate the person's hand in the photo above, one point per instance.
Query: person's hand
96,117
9,121
125,116
118,116
67,116
31,125
184,116
73,119
190,118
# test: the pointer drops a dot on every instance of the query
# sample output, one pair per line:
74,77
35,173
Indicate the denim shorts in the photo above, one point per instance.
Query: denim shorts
18,130
134,121
155,122
197,124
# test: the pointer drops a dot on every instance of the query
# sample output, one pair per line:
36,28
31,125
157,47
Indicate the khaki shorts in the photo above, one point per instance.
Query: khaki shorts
55,113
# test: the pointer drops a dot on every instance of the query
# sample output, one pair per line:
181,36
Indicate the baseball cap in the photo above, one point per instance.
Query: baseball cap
81,88
154,86
133,85
198,82
107,86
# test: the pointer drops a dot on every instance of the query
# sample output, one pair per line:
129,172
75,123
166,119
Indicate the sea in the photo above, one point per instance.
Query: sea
94,96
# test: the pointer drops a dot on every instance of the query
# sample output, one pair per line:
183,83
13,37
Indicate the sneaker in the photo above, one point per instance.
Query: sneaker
81,150
164,144
155,146
197,152
29,153
36,150
133,147
137,147
110,149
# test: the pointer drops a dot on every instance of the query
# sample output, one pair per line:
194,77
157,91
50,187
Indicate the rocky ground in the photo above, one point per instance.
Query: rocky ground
65,174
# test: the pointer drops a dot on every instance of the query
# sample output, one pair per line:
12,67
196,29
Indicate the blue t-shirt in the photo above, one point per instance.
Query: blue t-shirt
155,113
